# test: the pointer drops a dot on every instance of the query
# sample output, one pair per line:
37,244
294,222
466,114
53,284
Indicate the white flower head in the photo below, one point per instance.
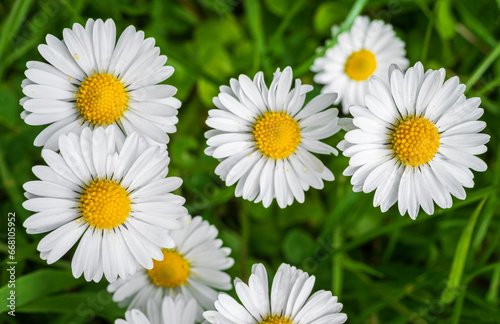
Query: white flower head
177,310
367,49
415,141
289,301
91,79
264,137
193,268
109,193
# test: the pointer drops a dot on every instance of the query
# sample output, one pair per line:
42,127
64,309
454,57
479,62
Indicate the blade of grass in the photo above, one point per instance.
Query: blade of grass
490,248
297,5
41,30
477,301
485,221
10,185
74,11
485,64
480,271
474,24
492,295
38,284
457,268
391,245
337,262
337,211
387,296
12,24
356,9
457,311
427,40
253,11
404,222
356,266
490,86
426,11
245,238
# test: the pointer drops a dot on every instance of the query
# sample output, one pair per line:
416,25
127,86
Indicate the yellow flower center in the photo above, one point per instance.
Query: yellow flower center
171,272
415,141
276,320
276,134
101,99
104,204
360,65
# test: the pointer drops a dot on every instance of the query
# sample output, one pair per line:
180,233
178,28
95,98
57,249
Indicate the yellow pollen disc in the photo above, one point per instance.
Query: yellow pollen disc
104,204
171,272
276,134
101,99
415,141
360,65
275,320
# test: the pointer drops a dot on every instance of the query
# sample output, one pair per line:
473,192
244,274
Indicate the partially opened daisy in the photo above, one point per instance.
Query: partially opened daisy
109,193
289,301
177,310
416,141
91,79
264,138
193,268
369,48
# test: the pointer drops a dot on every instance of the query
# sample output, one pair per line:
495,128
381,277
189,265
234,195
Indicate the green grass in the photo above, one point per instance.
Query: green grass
442,268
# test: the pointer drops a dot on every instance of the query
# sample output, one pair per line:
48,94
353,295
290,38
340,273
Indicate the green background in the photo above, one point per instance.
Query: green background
385,268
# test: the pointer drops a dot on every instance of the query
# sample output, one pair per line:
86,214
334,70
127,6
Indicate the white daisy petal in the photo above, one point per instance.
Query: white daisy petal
77,191
366,50
419,150
263,138
289,301
57,54
90,82
197,262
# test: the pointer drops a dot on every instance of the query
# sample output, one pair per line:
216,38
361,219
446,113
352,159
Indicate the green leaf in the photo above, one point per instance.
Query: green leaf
217,61
297,245
474,24
253,12
207,91
10,108
327,15
265,239
278,7
454,283
311,213
445,22
217,31
356,9
86,305
12,24
38,284
483,66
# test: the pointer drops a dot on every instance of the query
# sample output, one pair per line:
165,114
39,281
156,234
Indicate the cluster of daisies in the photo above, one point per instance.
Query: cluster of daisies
413,138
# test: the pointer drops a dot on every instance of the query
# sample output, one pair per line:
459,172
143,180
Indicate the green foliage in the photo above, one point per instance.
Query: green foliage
40,283
386,268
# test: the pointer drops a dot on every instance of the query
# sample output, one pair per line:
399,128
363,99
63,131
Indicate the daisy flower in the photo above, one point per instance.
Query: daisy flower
193,268
93,80
172,311
264,138
109,193
290,300
369,48
415,141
